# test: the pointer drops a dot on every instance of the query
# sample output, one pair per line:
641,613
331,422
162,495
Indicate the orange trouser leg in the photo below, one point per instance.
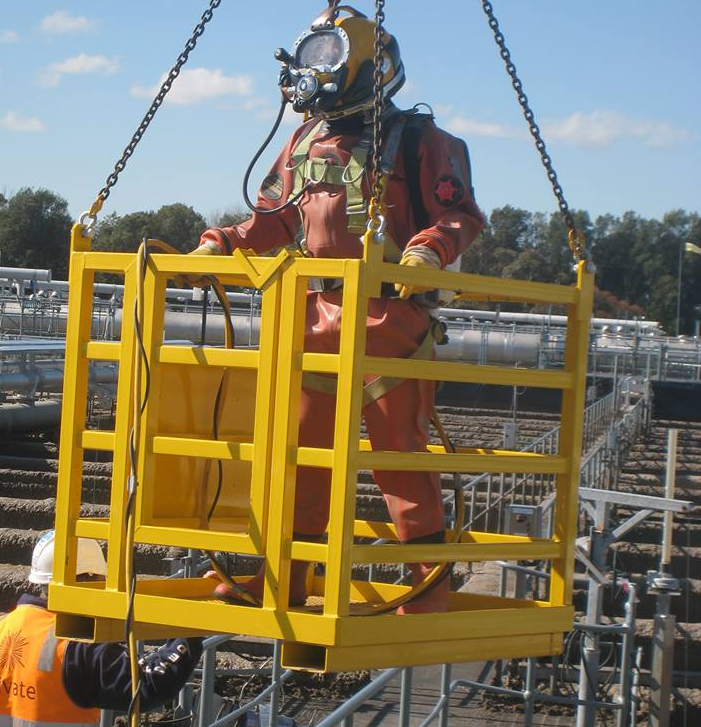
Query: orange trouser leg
313,486
396,422
399,422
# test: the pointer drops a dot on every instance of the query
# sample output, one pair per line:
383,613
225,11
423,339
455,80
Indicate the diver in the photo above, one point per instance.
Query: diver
317,195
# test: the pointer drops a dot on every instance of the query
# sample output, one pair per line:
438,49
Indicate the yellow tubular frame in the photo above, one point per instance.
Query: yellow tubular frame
328,637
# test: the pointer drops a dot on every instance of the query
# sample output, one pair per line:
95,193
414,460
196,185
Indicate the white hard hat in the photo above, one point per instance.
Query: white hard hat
89,559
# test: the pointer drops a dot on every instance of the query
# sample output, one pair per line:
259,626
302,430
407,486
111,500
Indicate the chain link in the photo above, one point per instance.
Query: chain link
576,239
104,193
378,107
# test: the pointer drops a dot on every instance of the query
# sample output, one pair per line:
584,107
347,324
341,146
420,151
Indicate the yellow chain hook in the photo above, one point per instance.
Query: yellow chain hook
577,244
96,206
377,214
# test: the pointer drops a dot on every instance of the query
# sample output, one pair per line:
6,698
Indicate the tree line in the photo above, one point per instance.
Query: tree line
637,259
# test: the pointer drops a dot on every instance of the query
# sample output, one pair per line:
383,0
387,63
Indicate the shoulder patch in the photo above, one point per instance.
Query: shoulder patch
448,190
272,187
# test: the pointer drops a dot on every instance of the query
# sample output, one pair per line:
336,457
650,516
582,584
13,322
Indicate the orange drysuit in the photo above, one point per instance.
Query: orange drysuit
398,421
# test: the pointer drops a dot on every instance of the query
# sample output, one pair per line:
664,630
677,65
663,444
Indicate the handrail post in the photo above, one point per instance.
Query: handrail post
206,702
405,697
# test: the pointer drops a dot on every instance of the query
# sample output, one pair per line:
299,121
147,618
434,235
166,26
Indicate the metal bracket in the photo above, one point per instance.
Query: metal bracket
662,584
647,502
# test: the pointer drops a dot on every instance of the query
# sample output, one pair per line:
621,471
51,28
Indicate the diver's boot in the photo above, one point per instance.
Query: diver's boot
433,600
255,585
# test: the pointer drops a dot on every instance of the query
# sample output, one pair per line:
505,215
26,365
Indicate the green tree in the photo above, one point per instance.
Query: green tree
35,231
176,224
180,226
506,233
230,217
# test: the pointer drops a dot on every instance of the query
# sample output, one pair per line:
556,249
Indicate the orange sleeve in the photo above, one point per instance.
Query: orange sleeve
446,189
264,232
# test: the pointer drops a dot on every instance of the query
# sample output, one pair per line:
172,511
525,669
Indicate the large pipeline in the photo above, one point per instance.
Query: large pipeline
488,342
502,317
38,416
50,379
19,274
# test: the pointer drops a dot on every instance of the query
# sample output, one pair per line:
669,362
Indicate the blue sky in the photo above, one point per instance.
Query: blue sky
614,86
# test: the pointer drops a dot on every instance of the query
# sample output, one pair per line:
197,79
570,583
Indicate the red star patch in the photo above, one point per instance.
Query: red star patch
448,191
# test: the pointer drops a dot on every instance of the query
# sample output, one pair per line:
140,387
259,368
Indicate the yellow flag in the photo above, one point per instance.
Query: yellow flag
690,247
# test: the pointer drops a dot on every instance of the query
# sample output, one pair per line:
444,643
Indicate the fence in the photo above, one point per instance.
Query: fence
611,424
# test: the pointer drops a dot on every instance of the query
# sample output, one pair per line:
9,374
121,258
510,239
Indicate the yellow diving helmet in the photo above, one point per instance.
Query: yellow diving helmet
330,70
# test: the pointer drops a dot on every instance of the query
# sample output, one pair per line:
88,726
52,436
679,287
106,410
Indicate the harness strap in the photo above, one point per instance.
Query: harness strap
356,206
299,156
382,385
351,176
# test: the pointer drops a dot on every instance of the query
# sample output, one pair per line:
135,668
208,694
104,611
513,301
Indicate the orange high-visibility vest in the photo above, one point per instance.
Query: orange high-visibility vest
31,662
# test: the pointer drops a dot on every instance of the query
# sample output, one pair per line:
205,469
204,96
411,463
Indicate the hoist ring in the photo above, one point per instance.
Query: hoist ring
91,225
376,227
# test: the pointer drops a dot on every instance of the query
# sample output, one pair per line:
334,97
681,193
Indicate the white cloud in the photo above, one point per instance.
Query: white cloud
12,121
78,65
291,117
255,103
406,90
262,110
442,109
61,22
8,36
460,124
598,128
602,128
199,84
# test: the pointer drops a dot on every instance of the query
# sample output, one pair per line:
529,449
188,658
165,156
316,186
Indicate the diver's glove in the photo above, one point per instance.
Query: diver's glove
208,247
417,257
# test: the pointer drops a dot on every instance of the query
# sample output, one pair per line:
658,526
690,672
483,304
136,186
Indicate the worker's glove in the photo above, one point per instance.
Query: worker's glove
208,247
417,257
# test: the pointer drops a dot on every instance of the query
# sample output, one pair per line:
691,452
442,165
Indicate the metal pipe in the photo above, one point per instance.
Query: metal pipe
663,629
258,699
627,645
25,418
405,697
537,319
533,319
40,379
206,704
445,694
635,686
529,693
352,704
669,481
589,665
275,681
25,274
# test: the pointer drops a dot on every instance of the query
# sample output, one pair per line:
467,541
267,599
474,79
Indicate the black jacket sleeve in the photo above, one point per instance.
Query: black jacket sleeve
98,675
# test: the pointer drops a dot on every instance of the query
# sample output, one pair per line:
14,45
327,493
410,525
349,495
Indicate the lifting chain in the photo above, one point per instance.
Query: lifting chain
104,193
376,207
576,239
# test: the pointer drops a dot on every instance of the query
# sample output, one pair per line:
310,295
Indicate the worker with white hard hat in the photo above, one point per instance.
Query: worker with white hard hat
45,680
